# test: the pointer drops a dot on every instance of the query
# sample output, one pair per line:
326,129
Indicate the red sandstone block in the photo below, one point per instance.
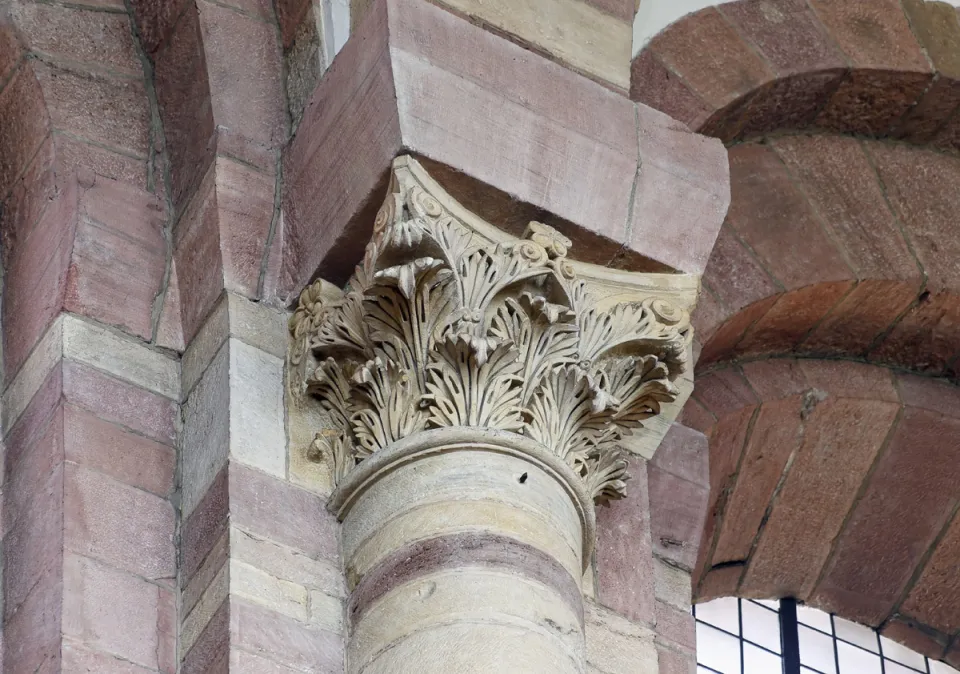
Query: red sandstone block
723,343
399,83
866,313
119,257
25,124
245,200
676,626
10,49
286,640
624,552
885,54
776,378
696,416
933,599
917,183
843,187
672,662
684,452
930,394
204,527
734,273
183,96
708,72
848,379
114,451
34,419
794,315
98,39
275,509
119,402
78,658
708,314
32,635
789,35
75,155
170,327
290,14
776,221
198,256
155,20
114,112
119,525
653,84
681,195
720,582
244,62
30,467
33,191
914,637
677,511
210,654
33,546
775,436
888,44
926,339
841,440
111,611
724,391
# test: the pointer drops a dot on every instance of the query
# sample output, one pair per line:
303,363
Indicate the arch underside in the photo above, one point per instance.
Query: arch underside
829,324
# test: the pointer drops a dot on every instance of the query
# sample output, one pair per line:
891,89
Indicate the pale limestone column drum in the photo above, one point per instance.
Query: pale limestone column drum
464,550
482,391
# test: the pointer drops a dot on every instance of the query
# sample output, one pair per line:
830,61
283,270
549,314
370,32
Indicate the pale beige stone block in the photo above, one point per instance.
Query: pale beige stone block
257,436
205,439
45,356
259,587
211,599
615,645
205,346
121,356
672,585
326,612
259,325
286,563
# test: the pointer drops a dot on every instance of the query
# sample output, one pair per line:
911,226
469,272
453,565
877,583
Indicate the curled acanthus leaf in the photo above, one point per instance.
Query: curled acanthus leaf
405,276
387,406
333,448
605,474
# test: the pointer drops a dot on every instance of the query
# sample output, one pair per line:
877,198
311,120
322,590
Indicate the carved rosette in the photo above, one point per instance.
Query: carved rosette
447,324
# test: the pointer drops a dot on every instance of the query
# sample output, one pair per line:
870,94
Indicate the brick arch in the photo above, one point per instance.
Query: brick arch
836,246
881,69
836,482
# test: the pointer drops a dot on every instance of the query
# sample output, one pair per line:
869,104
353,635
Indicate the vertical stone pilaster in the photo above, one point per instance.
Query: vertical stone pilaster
259,591
89,518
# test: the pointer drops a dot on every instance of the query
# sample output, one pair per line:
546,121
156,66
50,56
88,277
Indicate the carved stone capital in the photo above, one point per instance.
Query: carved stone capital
449,322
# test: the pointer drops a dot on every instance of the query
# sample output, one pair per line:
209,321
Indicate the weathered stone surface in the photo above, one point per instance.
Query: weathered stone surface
617,645
841,440
906,503
625,552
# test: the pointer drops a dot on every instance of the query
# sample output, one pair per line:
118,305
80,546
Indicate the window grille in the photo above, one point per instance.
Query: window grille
743,636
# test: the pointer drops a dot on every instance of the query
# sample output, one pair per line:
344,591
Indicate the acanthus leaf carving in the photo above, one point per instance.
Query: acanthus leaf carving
444,325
